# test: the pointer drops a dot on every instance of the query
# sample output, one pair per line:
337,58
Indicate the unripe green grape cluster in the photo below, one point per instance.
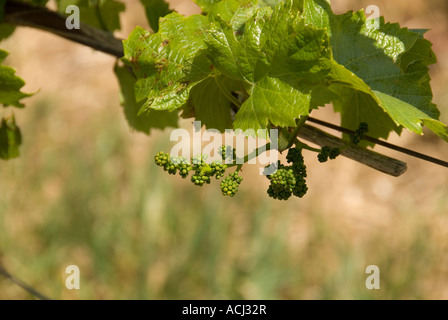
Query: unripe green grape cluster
332,153
328,153
282,184
202,172
171,164
359,133
227,152
289,180
285,182
218,169
230,184
200,178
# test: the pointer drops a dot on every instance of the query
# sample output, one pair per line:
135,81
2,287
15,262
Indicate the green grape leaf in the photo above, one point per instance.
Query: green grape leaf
273,3
274,101
210,102
317,13
101,14
410,117
233,12
287,60
391,61
143,122
279,57
356,107
206,5
10,85
357,102
168,63
155,9
6,30
421,51
10,139
437,127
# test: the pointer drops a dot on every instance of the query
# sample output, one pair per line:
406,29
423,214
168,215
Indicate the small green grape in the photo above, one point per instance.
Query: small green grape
218,169
334,153
161,158
184,170
199,159
300,188
328,153
359,133
363,127
227,152
289,180
294,155
170,168
282,183
299,169
324,154
230,184
278,195
183,167
200,179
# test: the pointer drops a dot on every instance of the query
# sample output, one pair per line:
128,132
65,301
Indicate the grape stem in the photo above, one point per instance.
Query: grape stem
21,284
299,144
367,157
250,156
293,136
409,152
23,14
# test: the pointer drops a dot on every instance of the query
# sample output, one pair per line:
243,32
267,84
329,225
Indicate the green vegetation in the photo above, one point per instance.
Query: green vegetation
87,192
103,205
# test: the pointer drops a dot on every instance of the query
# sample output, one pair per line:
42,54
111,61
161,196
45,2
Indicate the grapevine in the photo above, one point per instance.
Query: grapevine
233,86
287,180
225,68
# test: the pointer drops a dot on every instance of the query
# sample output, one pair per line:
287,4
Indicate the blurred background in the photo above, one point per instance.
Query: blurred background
85,192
